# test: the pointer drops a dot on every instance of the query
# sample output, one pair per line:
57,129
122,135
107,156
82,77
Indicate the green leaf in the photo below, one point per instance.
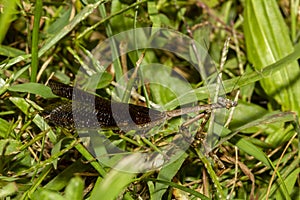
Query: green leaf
9,147
112,185
33,88
99,80
46,195
290,183
8,190
153,13
62,179
61,22
7,16
251,149
183,188
271,117
267,41
120,22
10,51
74,189
165,87
4,128
51,41
167,173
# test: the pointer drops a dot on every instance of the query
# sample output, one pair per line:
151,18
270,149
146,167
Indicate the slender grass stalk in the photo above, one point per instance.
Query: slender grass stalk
117,63
35,39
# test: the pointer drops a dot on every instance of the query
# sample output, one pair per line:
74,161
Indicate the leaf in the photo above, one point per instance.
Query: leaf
4,128
112,185
62,179
121,22
46,195
61,22
74,190
167,173
33,88
153,14
99,80
7,16
164,87
9,147
10,51
267,41
290,182
183,188
251,149
8,190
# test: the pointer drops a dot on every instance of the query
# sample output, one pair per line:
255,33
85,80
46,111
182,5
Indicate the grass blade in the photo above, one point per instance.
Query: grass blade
267,41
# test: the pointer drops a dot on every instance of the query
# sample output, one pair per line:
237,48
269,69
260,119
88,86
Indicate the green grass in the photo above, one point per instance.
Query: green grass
259,150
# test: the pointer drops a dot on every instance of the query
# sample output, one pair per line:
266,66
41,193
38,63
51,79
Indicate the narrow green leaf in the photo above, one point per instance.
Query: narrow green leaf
267,41
84,13
4,127
167,173
46,195
10,51
8,190
7,16
112,185
33,88
62,179
35,39
153,13
290,183
61,22
251,149
272,117
74,189
186,189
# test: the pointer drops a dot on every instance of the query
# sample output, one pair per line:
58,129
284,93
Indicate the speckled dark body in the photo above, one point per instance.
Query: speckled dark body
89,111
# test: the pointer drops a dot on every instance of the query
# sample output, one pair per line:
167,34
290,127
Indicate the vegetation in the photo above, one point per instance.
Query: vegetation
253,43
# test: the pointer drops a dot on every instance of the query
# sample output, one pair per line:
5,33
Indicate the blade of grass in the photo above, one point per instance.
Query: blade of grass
114,48
33,88
220,191
74,190
109,17
37,182
267,40
35,39
10,51
266,119
171,184
89,157
6,16
167,173
112,185
294,12
8,190
62,179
